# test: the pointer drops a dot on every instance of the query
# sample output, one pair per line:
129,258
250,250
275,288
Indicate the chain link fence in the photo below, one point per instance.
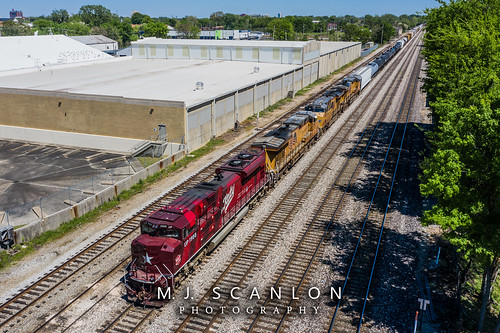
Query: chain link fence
49,212
37,210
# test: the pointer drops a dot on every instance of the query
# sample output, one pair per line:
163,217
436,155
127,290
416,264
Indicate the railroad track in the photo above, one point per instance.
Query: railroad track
129,320
258,247
359,276
302,261
14,311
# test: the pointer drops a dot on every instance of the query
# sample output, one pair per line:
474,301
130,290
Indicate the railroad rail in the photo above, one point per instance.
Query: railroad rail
13,311
257,247
359,276
306,250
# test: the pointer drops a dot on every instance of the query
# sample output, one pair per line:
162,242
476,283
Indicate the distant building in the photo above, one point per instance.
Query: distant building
218,27
331,26
126,52
99,42
16,14
279,15
207,33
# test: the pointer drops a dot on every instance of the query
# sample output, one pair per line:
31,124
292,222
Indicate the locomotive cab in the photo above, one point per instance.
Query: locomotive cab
158,252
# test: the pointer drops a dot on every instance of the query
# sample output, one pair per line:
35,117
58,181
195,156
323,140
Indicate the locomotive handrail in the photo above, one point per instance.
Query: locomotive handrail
170,272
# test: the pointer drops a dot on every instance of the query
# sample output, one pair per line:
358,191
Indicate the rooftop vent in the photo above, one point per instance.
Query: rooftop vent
256,69
199,85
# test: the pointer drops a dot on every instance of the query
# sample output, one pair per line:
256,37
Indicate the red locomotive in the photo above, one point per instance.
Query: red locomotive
175,235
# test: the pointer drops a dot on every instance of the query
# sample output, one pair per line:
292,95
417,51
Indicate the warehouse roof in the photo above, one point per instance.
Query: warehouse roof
37,52
157,80
93,39
328,47
232,42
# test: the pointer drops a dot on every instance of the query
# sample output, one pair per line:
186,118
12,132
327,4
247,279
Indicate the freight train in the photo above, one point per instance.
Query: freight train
176,236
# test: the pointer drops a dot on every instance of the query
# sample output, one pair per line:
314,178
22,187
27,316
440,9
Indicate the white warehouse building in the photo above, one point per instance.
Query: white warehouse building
130,97
205,119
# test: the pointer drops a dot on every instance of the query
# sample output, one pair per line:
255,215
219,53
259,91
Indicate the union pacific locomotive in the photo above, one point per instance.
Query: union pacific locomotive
174,237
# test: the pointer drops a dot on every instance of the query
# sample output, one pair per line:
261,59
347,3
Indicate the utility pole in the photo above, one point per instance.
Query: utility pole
274,27
382,37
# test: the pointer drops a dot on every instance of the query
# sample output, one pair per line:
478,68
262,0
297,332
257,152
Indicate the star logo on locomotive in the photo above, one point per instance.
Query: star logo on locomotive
147,259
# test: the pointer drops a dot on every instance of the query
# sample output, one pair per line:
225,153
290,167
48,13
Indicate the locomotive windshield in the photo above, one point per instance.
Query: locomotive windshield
146,228
170,233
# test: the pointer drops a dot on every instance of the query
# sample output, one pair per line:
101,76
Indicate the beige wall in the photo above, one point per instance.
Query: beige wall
92,115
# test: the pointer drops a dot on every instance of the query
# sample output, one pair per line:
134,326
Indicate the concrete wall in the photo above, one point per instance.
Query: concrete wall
332,61
53,221
88,114
278,55
210,119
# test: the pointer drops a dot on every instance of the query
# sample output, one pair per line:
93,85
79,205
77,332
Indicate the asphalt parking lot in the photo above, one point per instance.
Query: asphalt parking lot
31,171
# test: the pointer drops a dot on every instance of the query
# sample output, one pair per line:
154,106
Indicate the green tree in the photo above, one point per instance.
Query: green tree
302,24
155,29
59,16
12,28
126,34
217,18
383,33
188,27
95,15
355,33
43,24
138,18
281,29
75,28
462,48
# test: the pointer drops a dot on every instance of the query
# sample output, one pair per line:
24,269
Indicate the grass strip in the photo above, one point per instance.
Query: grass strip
20,251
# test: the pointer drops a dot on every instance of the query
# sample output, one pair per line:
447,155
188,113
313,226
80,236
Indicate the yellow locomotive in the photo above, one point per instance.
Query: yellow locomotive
285,144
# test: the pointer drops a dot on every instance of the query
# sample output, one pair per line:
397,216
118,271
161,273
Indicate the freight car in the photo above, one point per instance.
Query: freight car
176,236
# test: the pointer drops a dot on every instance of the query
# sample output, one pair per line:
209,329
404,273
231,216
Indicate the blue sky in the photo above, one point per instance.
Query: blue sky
203,8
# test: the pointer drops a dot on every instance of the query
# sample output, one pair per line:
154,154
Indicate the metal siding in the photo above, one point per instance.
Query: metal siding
248,54
224,115
307,75
199,127
161,52
297,85
314,71
276,90
266,55
245,104
287,84
196,53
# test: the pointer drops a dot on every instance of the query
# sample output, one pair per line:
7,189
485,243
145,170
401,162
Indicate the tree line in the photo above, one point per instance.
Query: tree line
97,19
462,171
